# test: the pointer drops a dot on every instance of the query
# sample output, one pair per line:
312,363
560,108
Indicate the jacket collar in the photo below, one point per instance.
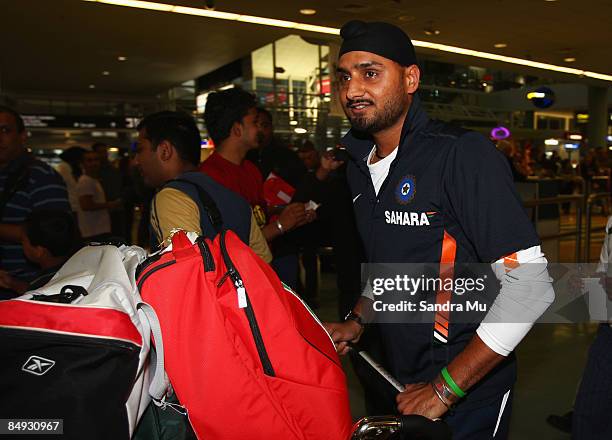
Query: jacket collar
359,144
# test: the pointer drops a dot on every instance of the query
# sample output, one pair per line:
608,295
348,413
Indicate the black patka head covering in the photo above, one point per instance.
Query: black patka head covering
383,39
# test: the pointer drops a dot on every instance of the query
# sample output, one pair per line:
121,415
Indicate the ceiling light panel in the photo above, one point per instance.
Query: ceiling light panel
155,6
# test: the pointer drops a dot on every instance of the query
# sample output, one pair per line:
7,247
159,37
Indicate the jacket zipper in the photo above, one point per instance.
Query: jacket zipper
392,166
365,169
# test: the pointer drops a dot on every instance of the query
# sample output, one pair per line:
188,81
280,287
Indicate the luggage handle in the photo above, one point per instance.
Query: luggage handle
67,295
410,426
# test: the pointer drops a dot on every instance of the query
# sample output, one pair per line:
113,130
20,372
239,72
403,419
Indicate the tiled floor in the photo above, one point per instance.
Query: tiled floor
551,360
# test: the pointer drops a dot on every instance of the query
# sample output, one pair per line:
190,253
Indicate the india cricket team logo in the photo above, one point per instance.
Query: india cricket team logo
406,190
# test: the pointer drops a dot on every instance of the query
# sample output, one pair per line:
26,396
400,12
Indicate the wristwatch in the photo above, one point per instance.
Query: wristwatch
279,226
354,317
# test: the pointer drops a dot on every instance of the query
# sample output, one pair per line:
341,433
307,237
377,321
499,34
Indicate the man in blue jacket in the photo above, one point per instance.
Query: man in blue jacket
168,153
426,192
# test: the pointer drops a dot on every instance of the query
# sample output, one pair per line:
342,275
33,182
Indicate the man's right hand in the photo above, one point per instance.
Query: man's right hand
292,216
342,333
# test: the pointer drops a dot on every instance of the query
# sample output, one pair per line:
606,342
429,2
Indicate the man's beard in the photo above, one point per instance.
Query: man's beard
392,110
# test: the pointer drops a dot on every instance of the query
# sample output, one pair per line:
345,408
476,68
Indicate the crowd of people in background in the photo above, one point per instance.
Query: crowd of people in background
524,162
296,192
287,202
295,202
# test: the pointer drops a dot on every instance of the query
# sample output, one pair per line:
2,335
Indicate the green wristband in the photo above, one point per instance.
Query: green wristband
451,383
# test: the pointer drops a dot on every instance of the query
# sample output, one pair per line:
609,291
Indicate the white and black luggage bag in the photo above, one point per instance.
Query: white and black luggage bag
76,350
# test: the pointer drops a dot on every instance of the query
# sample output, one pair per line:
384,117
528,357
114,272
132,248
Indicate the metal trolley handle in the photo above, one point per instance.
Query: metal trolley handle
411,427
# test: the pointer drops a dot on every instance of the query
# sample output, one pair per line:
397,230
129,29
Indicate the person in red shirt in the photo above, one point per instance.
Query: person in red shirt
241,176
232,122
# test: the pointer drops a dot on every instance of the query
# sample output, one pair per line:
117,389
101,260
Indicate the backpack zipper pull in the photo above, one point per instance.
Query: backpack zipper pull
241,291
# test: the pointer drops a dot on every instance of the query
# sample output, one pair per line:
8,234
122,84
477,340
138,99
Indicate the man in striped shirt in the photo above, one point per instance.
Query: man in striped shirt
26,185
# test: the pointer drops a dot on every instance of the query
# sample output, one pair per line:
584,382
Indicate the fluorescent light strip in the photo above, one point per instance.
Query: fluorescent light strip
204,13
154,6
506,59
319,29
164,7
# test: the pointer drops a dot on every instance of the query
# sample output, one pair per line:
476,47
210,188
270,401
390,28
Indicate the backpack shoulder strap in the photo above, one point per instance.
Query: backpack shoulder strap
212,211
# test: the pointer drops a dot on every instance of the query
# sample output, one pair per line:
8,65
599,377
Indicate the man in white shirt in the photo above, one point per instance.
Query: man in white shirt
93,212
70,170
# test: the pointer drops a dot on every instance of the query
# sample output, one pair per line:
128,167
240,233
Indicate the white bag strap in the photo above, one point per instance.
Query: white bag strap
159,384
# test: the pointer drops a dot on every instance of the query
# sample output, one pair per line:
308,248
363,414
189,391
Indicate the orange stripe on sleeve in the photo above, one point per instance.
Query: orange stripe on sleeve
447,269
511,261
441,330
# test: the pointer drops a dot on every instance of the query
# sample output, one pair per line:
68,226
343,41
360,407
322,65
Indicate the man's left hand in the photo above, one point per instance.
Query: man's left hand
328,164
420,398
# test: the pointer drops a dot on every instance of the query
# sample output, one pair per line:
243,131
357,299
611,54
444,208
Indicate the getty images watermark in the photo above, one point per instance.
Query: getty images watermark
416,287
470,293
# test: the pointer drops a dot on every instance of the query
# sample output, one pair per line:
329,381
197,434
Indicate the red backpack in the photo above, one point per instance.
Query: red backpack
246,357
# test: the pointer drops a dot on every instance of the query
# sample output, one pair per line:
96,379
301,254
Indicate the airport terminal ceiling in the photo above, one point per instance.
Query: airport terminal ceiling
65,45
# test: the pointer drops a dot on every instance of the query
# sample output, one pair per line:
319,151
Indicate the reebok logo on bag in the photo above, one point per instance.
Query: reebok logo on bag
37,365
